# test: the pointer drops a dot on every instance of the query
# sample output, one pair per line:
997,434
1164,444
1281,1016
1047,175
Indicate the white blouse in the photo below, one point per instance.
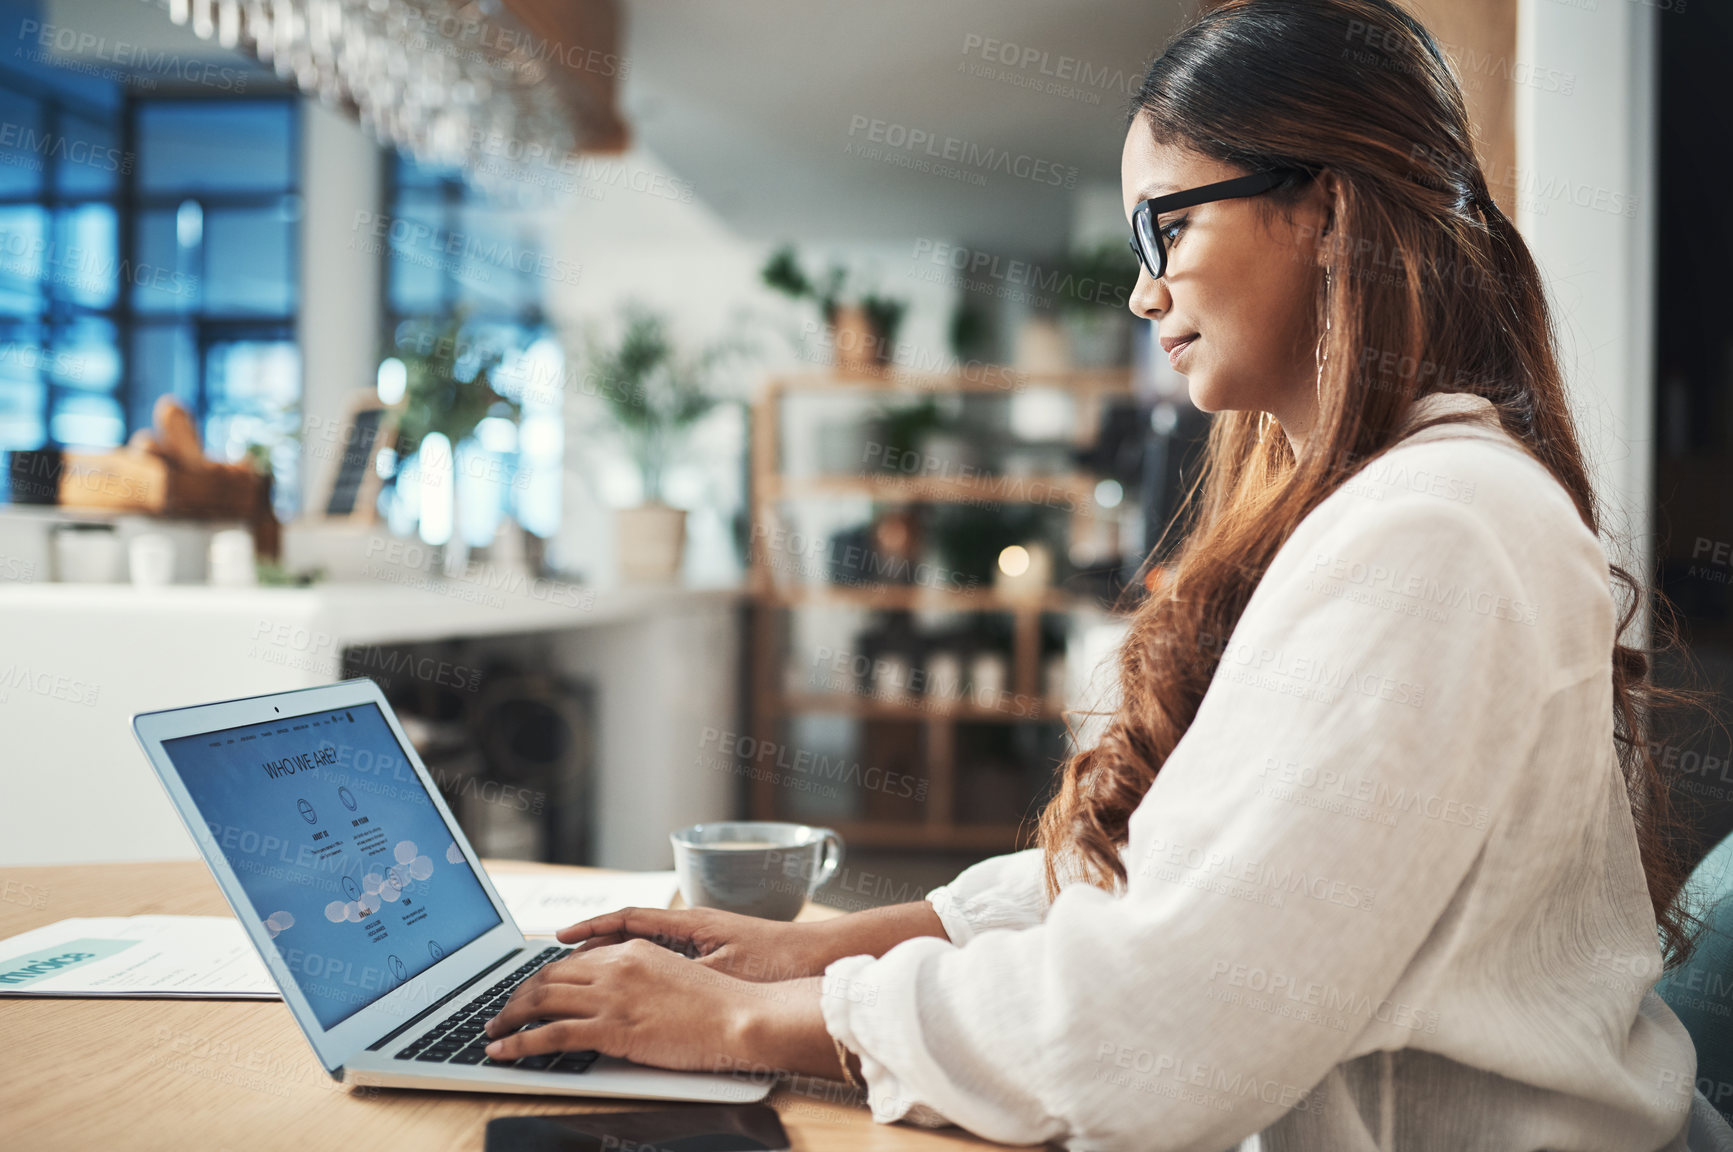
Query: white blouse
1385,893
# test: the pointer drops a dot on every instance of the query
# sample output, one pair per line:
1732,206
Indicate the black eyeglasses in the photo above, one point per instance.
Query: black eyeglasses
1147,240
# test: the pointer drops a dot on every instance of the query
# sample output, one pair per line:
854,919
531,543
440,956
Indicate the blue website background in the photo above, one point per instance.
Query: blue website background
345,859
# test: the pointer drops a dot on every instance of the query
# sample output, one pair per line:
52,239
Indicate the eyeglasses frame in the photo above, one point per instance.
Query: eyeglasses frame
1143,216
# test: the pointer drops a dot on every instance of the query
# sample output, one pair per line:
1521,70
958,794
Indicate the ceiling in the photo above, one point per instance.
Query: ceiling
757,102
118,33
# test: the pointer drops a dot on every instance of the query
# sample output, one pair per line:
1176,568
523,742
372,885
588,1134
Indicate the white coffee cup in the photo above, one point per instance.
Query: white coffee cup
87,554
232,564
151,560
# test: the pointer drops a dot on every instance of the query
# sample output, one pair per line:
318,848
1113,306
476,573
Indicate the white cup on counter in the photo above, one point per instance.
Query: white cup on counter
151,560
87,554
231,559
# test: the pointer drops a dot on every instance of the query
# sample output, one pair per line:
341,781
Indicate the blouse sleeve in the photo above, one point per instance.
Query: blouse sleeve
1111,1023
1000,892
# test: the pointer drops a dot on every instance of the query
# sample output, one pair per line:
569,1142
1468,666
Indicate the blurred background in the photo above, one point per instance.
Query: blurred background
691,410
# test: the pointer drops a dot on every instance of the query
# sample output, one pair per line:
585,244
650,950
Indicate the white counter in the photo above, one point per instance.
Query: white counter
77,661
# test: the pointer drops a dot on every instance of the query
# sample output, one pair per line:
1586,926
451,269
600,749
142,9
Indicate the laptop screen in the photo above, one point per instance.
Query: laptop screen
340,849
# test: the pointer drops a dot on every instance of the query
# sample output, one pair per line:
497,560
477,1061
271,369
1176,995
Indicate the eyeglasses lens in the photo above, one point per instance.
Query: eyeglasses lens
1148,245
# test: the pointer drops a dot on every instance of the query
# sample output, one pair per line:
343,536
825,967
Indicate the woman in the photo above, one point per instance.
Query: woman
1371,854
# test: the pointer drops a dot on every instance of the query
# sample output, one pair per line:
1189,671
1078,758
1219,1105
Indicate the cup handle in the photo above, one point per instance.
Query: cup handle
830,859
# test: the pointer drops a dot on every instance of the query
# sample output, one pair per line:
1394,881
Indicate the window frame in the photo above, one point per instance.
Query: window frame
56,311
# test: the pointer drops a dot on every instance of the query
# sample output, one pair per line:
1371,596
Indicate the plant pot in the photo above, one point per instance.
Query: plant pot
1042,346
650,541
859,347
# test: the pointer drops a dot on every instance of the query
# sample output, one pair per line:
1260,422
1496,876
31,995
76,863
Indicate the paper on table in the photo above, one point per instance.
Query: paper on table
211,957
542,902
190,957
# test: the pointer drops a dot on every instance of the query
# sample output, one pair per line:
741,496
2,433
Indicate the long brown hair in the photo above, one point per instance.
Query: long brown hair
1428,288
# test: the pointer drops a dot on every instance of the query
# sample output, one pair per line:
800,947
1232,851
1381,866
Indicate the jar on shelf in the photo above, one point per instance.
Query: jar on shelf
988,675
944,677
1053,671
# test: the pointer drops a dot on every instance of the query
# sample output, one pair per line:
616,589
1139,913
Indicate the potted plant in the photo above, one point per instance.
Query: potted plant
448,390
447,382
862,324
654,396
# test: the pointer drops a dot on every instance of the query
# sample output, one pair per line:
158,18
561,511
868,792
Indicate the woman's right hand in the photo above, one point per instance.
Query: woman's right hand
746,947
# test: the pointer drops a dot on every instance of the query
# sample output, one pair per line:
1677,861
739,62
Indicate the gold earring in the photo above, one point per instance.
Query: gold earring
1320,354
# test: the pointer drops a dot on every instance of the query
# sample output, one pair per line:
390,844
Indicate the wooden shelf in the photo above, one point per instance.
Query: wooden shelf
910,597
929,736
920,708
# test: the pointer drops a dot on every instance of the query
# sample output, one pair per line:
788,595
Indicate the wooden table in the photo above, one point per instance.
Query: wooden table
233,1075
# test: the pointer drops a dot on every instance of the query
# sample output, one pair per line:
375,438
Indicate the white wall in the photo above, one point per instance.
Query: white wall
641,233
1586,205
663,246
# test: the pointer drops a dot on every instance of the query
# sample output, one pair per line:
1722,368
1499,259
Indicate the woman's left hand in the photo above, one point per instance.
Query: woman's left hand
645,1003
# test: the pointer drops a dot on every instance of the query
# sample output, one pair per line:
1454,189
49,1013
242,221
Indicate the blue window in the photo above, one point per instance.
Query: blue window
147,247
454,255
213,283
61,178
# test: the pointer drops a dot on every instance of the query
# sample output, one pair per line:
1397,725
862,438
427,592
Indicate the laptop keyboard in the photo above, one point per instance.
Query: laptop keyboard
459,1038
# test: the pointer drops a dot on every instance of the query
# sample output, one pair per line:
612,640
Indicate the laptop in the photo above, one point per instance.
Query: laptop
365,900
